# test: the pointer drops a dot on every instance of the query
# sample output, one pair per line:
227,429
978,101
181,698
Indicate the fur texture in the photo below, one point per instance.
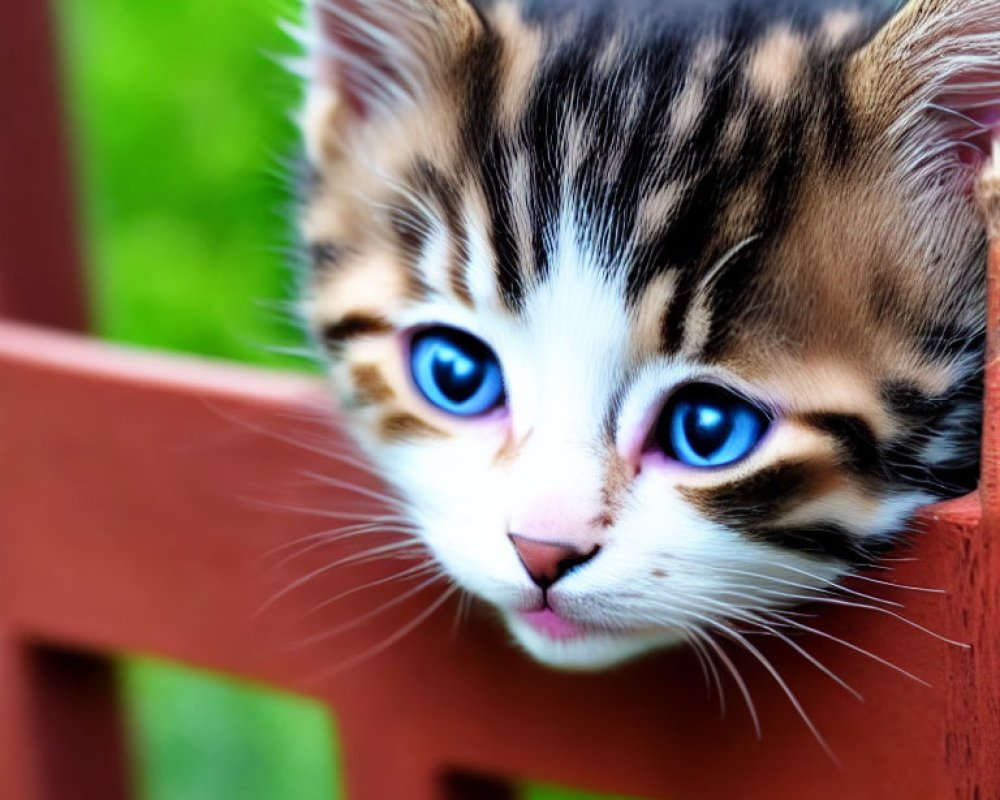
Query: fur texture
620,199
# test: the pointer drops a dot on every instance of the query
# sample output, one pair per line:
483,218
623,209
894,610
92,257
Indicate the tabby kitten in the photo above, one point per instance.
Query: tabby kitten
658,315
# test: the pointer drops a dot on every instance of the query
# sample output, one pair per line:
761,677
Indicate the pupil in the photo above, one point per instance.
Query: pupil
456,375
708,428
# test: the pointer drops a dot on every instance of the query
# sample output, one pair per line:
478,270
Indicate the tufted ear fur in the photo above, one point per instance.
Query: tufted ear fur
369,58
930,81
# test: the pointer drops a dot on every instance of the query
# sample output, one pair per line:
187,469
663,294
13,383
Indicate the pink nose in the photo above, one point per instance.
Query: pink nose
546,562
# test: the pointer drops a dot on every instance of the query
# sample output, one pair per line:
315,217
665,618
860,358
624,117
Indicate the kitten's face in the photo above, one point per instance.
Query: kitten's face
651,329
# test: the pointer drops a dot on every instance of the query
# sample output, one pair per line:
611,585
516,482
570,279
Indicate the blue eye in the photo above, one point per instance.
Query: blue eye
456,372
707,426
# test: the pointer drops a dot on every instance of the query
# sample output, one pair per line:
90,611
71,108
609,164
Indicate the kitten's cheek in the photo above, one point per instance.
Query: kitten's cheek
490,430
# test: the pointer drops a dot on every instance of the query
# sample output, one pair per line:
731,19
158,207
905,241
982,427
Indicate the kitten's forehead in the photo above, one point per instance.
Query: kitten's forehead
705,163
698,164
574,333
679,160
616,190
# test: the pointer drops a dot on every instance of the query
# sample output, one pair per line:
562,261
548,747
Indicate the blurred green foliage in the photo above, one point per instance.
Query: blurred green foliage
198,737
184,140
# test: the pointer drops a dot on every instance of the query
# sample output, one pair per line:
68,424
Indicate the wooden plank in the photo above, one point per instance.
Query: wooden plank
139,497
974,681
20,767
40,268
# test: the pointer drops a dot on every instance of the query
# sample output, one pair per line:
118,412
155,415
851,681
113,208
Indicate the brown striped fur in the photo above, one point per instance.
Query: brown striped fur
780,202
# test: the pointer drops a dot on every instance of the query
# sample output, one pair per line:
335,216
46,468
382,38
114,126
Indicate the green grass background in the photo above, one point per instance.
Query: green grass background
182,134
183,126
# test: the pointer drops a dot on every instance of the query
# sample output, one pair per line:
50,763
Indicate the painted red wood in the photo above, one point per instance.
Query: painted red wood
40,275
20,769
974,683
140,496
60,732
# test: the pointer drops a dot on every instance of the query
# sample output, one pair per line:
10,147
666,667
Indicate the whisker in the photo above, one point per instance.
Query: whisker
369,615
336,483
832,586
350,458
894,585
406,573
461,611
751,618
829,599
792,698
732,633
700,657
758,593
354,558
389,641
319,540
840,588
900,617
707,666
850,645
356,517
727,662
357,514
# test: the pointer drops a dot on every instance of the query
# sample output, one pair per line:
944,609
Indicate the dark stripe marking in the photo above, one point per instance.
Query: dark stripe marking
404,427
858,445
825,540
429,180
765,495
752,506
370,385
354,326
459,268
411,227
927,420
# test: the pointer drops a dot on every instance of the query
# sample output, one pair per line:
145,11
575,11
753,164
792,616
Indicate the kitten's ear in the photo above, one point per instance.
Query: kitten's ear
372,57
932,75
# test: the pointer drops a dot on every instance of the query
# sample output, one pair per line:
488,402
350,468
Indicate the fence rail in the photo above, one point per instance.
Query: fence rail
142,501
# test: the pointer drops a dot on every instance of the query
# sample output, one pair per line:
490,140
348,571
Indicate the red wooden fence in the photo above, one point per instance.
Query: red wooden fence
139,501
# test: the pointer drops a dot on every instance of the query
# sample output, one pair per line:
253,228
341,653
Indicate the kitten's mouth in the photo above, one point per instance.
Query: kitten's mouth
565,643
550,624
547,620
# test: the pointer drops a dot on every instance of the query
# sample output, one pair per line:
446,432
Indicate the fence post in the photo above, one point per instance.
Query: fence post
40,276
20,770
974,739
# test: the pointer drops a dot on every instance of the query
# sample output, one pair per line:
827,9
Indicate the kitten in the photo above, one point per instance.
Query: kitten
658,315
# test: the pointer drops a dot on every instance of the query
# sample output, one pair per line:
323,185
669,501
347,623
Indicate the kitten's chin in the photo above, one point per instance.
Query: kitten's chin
585,650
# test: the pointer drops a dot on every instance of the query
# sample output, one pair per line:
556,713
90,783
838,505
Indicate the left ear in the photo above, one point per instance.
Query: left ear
376,58
932,76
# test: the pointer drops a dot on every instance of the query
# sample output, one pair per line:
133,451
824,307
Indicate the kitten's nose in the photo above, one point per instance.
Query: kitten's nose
546,562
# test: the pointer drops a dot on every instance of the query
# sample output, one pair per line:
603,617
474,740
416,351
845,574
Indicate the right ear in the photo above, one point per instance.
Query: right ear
370,58
930,79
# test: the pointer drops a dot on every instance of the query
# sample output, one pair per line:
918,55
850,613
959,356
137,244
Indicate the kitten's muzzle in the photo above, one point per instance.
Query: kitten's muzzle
546,562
